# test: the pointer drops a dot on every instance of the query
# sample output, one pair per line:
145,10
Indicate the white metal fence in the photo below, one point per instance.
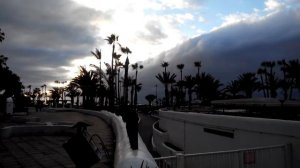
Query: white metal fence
263,157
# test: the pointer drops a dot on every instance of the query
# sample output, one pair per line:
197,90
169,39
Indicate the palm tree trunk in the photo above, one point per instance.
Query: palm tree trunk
167,95
135,89
263,85
111,95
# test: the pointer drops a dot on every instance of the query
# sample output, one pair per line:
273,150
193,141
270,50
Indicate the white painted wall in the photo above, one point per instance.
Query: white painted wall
185,130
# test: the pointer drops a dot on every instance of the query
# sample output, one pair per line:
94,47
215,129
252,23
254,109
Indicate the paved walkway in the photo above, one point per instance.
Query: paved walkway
47,151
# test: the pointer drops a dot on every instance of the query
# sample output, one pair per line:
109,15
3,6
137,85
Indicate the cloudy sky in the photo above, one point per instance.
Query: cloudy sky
48,40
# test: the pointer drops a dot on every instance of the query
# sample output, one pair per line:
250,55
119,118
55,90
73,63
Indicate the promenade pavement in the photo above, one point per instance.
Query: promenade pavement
47,151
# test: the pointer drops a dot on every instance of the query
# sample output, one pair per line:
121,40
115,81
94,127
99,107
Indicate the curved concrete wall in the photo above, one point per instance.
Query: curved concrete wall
124,156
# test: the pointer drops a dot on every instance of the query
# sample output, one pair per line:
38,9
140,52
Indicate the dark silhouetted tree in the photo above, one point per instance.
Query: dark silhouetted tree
248,83
166,78
150,98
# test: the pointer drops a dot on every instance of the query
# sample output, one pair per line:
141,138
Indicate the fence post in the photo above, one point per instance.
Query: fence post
179,160
288,155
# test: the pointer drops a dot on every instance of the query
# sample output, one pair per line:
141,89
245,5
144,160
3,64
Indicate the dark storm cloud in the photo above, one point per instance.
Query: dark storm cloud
232,50
41,33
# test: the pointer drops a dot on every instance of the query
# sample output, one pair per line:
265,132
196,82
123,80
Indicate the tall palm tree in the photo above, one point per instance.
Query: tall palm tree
180,67
262,86
165,65
135,67
293,71
166,78
198,66
126,51
189,84
264,66
98,55
112,40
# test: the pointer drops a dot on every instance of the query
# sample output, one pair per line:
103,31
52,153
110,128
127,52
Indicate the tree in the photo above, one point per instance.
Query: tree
180,67
112,40
55,95
166,78
87,82
165,65
72,91
98,55
207,87
11,84
150,98
135,67
189,84
233,88
248,83
198,66
262,86
293,72
127,51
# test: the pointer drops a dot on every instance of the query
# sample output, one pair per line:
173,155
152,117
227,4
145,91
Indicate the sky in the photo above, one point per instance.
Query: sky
48,40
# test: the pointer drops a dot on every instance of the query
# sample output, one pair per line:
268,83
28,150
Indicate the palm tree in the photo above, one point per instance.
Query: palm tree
233,88
87,82
264,66
73,91
150,98
55,95
37,93
198,65
166,78
189,84
126,51
180,67
248,83
165,65
293,70
112,40
135,67
262,86
207,87
97,54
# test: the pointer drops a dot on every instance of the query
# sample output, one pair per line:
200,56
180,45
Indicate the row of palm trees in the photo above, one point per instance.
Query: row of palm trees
203,86
268,81
105,88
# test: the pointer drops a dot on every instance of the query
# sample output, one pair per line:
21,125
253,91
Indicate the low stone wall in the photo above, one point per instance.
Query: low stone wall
124,156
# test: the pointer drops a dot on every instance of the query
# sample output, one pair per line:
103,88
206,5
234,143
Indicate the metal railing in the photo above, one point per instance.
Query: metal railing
271,156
